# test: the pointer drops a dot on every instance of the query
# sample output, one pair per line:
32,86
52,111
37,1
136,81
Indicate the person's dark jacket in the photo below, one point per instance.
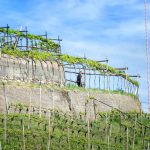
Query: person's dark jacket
79,79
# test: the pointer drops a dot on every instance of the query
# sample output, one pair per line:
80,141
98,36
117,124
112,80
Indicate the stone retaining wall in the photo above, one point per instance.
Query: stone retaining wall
74,102
28,70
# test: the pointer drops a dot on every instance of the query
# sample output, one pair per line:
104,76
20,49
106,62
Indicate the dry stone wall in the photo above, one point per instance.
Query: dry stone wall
25,71
67,101
28,70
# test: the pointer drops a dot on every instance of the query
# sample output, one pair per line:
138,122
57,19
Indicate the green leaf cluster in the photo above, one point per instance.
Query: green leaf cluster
50,43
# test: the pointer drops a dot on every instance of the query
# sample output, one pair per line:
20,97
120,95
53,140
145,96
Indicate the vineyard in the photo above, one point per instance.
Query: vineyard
38,48
23,127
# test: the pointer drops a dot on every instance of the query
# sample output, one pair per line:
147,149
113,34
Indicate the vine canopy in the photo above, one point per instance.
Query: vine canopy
37,54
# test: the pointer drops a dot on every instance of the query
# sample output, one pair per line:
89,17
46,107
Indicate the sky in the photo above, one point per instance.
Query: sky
98,29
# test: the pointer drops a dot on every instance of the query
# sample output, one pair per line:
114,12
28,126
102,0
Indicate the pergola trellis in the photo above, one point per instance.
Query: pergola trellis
102,79
24,42
92,78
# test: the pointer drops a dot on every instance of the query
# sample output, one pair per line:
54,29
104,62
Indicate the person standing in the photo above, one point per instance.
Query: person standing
79,79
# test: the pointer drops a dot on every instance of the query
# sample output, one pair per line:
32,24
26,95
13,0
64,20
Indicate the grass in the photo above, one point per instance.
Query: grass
119,91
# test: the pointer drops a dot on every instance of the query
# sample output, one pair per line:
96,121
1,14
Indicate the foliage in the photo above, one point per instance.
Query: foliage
68,132
50,43
46,55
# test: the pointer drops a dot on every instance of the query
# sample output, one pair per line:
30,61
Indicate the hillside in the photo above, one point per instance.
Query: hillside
41,106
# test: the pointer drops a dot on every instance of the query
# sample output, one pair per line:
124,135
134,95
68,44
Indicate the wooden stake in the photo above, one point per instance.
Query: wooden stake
134,132
106,125
53,108
29,111
108,143
49,129
126,82
88,134
127,139
5,99
23,137
5,113
68,139
148,147
40,101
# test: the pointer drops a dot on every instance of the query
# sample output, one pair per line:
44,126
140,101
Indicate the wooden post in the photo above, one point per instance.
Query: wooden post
127,139
134,133
29,111
113,83
7,33
49,129
53,108
99,82
148,146
23,136
5,113
94,79
104,79
126,82
40,101
88,124
84,72
108,143
68,138
106,126
26,38
89,78
107,76
5,98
